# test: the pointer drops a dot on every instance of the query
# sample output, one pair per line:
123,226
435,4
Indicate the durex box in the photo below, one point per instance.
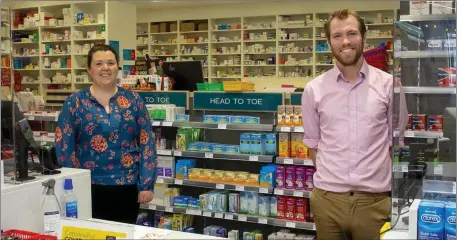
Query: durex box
430,220
449,224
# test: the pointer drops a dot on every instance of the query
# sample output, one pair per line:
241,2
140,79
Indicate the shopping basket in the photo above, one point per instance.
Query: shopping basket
378,58
20,234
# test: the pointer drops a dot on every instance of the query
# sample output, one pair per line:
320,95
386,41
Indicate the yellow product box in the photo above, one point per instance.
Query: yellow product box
289,115
240,178
284,144
177,222
281,115
297,116
194,174
296,143
205,175
228,177
252,180
216,177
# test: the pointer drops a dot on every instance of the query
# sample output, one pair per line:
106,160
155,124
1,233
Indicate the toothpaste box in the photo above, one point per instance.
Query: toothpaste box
209,119
196,146
231,149
217,148
237,119
182,117
430,220
252,120
222,119
206,147
449,224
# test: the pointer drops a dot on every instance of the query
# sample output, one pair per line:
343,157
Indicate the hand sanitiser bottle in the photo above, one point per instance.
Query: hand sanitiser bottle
70,201
50,208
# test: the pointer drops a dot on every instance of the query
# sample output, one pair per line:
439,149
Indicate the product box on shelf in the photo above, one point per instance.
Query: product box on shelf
430,221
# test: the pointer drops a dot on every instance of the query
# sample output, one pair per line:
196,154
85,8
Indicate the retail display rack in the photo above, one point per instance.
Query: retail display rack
285,46
50,44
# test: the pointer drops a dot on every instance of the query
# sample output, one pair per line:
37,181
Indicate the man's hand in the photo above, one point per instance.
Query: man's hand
145,196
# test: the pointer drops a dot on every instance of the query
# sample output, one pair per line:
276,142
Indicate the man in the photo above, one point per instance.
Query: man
347,117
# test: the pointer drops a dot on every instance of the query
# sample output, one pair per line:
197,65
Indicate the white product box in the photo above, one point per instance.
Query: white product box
439,7
419,8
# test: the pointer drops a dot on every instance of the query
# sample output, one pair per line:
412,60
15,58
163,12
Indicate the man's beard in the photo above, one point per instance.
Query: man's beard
358,54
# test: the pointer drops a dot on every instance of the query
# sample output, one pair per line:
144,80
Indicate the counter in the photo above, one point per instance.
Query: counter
21,203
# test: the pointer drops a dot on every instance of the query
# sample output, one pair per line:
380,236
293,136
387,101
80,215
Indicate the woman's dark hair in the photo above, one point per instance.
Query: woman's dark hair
98,48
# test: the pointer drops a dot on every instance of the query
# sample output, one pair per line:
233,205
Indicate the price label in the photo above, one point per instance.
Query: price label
242,218
222,126
290,224
155,123
299,129
209,155
164,152
288,161
152,207
207,214
263,221
285,129
178,182
159,180
298,194
308,162
254,158
219,215
409,133
31,118
193,212
404,168
263,190
239,188
438,169
314,227
228,217
177,153
168,209
279,192
453,188
167,124
220,186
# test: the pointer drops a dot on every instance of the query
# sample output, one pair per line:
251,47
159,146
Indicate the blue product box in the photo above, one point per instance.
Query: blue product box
231,149
430,220
209,119
449,224
196,146
217,148
237,119
206,147
256,144
245,142
160,171
223,119
182,117
193,203
180,201
252,120
269,142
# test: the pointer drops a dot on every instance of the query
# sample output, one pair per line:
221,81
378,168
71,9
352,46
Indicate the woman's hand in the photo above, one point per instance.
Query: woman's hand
145,196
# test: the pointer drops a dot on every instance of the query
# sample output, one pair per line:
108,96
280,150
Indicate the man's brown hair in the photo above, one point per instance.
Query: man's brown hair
344,14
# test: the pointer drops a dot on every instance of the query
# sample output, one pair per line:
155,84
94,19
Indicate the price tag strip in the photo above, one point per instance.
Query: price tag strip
228,216
219,215
288,161
167,124
263,221
209,155
242,218
254,158
177,153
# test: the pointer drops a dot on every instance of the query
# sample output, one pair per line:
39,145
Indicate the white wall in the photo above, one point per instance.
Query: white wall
253,9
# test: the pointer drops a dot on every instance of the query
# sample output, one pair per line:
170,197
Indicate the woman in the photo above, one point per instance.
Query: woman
106,129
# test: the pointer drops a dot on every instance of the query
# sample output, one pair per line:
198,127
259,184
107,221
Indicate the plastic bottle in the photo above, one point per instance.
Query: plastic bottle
70,201
50,208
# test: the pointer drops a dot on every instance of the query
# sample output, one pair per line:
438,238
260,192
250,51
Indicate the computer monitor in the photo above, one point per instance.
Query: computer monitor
186,74
17,133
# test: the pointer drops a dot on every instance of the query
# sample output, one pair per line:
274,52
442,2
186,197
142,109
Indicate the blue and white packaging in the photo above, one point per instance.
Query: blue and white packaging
245,141
430,220
449,225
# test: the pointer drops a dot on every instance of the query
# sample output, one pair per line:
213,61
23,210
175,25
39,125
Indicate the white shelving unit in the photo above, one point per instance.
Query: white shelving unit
74,39
257,47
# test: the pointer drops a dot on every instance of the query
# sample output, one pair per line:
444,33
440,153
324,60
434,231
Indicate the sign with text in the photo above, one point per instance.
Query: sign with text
295,98
223,101
178,98
94,229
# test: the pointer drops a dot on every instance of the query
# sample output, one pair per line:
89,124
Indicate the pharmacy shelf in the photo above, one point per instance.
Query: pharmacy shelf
232,187
292,193
309,35
232,216
42,118
420,134
427,90
244,127
424,54
294,161
223,156
423,18
289,129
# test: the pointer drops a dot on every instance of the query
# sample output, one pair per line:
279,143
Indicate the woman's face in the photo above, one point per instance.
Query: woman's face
103,68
